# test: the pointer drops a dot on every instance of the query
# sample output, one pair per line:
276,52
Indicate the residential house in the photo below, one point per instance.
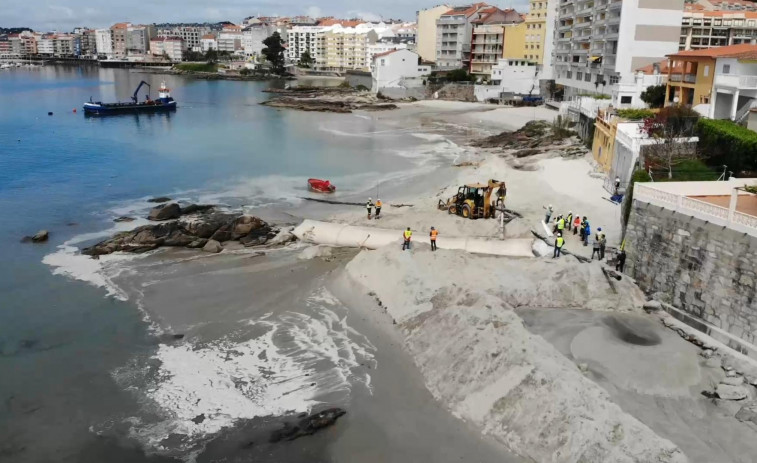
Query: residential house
600,43
488,42
720,82
397,68
454,30
138,39
516,76
172,48
208,42
192,35
628,94
253,37
382,47
426,31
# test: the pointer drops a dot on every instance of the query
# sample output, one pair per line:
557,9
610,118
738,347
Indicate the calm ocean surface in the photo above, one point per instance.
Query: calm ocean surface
61,339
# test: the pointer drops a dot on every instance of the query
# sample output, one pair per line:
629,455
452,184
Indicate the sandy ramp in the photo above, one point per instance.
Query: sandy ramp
336,234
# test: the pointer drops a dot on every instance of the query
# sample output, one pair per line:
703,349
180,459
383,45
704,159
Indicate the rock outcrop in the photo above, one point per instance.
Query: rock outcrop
41,236
335,100
206,230
165,212
308,425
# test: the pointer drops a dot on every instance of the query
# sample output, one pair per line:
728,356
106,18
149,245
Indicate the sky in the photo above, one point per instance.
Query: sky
64,15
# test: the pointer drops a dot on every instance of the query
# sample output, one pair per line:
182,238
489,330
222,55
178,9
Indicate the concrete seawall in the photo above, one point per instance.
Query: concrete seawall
706,270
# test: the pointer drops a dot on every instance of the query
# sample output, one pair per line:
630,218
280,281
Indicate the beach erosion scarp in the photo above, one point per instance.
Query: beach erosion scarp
478,358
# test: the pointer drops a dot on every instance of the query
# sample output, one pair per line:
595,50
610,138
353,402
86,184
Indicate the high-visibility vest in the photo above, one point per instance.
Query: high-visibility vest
569,219
433,234
378,203
561,224
560,241
408,234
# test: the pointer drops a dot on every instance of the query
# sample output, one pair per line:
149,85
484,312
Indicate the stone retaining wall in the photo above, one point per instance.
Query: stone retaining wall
703,269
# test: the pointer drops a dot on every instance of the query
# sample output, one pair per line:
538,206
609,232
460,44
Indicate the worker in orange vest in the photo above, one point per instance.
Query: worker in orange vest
378,208
434,233
407,235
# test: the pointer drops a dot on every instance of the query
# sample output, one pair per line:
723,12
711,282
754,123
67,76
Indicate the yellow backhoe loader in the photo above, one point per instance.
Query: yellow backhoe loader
474,201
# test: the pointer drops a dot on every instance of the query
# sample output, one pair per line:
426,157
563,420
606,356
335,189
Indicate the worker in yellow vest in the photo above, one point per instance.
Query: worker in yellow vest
569,220
559,243
434,233
407,235
560,225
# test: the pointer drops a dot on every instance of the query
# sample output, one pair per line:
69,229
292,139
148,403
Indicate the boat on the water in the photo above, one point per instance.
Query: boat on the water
164,102
320,186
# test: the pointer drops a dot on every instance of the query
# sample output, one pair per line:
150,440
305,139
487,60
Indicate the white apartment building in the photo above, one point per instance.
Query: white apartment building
600,43
208,42
230,39
253,36
103,42
171,47
138,39
302,39
46,45
705,29
454,30
516,76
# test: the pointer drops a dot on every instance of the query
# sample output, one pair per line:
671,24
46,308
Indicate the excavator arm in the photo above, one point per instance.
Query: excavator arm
135,98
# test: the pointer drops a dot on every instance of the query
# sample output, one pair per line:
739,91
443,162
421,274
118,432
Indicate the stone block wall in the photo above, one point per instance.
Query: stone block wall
706,270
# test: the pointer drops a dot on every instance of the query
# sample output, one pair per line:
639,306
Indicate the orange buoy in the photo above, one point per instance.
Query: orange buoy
74,109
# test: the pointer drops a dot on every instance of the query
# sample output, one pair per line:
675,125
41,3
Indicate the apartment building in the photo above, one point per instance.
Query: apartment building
536,31
253,36
138,39
303,39
719,82
230,39
488,40
172,48
208,42
104,42
426,31
379,48
119,33
191,35
454,30
345,48
24,43
600,43
704,29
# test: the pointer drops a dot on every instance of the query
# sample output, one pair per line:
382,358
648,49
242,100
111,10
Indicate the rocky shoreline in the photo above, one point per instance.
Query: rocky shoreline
335,100
195,226
208,75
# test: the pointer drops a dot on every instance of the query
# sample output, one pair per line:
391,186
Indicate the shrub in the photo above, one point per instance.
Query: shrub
345,84
561,128
596,96
197,67
635,114
727,143
459,75
654,96
362,88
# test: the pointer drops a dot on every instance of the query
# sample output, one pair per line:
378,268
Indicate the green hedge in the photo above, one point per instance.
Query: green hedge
197,67
727,143
636,114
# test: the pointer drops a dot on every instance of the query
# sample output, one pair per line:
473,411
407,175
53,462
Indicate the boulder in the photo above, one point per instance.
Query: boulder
212,246
729,392
222,234
165,212
308,425
733,380
159,199
198,243
652,306
195,208
252,240
243,225
178,238
40,236
207,225
124,219
747,413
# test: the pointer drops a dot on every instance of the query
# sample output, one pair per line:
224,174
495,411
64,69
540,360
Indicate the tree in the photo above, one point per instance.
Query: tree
306,60
654,96
274,52
459,75
669,130
211,56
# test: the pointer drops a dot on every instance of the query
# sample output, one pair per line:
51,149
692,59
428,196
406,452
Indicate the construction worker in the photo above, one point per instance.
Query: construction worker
569,220
602,243
407,235
596,248
434,233
368,206
501,193
560,224
549,213
576,224
378,208
621,261
559,243
587,231
617,185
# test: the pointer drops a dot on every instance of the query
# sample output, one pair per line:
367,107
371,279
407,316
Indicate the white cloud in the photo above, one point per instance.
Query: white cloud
314,12
365,16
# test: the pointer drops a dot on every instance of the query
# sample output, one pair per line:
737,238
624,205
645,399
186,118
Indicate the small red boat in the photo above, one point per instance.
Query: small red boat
321,186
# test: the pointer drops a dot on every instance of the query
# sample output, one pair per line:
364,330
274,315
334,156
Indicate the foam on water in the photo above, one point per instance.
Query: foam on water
198,390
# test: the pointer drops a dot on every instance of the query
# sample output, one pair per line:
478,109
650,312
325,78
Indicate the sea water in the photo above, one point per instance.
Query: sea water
67,334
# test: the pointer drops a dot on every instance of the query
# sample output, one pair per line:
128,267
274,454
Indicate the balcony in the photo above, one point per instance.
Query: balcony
685,78
745,82
581,25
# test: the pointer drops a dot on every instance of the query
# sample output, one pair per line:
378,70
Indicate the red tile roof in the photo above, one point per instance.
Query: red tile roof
342,22
663,66
744,51
467,10
208,36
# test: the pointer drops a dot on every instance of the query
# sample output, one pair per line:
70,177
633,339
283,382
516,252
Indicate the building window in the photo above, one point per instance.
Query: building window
579,75
587,77
625,100
726,69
